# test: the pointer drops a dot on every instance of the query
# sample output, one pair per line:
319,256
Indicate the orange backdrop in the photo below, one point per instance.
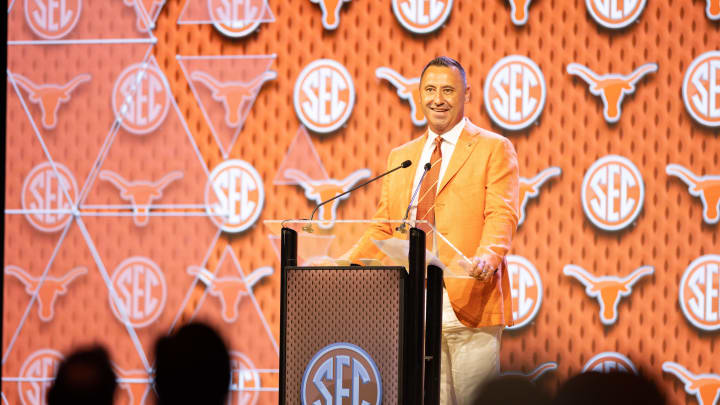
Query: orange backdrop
72,252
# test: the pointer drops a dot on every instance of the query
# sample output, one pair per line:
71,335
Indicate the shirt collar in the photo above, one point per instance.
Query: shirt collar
450,136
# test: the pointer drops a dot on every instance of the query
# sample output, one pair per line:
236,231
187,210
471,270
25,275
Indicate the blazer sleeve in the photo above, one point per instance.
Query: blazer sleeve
365,248
501,203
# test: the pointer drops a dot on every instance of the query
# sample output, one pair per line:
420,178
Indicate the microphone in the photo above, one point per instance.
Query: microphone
308,228
426,169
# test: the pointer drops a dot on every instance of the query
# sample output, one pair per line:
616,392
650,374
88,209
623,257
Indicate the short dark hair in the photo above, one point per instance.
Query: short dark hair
447,62
86,377
192,366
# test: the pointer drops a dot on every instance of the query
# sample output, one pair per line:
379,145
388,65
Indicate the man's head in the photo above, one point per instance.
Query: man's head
443,93
86,377
192,367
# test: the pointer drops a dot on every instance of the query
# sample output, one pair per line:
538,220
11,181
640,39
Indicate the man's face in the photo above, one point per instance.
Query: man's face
443,96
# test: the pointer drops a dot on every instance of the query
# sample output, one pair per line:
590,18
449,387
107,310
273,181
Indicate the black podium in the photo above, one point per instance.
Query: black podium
357,333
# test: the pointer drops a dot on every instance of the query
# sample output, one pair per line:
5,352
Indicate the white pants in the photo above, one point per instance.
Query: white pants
470,357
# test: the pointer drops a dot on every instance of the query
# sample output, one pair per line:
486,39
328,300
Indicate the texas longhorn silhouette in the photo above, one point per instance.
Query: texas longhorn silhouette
612,88
713,9
140,193
230,290
519,14
233,95
321,190
705,387
531,187
607,290
49,96
407,89
48,291
705,187
330,12
136,383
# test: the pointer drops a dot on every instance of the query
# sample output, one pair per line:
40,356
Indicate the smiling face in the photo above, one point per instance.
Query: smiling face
443,96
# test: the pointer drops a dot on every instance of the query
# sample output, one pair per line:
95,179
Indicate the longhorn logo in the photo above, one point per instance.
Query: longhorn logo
234,195
49,96
48,291
230,290
706,187
140,193
705,387
422,16
141,98
52,19
407,89
324,96
519,10
612,88
531,187
612,192
44,193
607,289
330,12
526,290
609,362
234,96
245,383
141,289
136,383
321,190
515,92
713,9
535,374
700,292
615,14
41,365
236,18
701,89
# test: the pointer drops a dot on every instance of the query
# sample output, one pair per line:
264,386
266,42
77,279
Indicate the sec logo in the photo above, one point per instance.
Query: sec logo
515,92
44,193
526,290
52,19
615,13
422,16
609,362
700,292
141,98
40,365
234,196
236,18
141,289
341,370
612,193
324,96
244,381
701,89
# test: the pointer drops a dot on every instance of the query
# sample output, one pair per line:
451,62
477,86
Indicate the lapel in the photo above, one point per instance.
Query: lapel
413,153
464,147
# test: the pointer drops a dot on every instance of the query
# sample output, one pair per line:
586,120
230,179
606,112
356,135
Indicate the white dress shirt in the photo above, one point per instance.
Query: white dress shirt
450,139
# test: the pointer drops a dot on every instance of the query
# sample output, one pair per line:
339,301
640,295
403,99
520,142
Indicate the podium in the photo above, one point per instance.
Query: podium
363,331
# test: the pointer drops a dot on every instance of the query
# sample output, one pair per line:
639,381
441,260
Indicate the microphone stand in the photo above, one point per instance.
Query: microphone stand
309,229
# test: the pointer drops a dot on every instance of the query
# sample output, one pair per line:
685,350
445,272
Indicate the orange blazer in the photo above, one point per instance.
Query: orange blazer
476,209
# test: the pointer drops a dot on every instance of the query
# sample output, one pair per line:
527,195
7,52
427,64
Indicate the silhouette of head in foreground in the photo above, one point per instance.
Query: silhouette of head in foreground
192,367
615,388
86,377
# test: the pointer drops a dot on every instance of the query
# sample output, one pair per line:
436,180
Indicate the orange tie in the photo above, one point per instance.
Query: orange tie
428,190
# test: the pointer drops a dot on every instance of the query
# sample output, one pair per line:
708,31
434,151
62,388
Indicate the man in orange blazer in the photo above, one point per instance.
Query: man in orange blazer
473,198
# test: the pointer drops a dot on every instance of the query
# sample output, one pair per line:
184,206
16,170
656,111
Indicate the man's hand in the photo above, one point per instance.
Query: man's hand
480,268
